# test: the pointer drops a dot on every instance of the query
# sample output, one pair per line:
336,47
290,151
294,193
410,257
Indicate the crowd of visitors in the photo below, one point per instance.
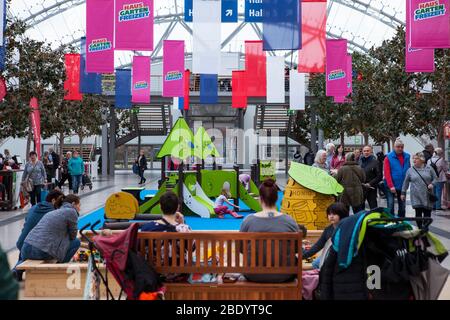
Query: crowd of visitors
366,176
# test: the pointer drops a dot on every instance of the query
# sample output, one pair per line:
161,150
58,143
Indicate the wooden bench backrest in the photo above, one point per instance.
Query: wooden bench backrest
226,246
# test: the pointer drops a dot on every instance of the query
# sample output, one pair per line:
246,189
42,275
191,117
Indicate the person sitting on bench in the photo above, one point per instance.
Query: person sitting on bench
55,236
172,220
269,220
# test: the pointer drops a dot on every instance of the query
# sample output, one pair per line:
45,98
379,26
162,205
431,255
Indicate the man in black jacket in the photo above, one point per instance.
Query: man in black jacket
370,165
55,160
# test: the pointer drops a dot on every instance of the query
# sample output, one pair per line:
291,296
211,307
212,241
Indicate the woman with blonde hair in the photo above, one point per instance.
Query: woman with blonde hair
320,161
422,179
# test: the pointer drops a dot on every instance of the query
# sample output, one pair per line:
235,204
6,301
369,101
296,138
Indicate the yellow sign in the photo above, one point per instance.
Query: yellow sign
306,206
121,205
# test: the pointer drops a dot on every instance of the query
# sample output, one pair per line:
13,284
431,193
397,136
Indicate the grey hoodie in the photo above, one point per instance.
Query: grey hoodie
55,231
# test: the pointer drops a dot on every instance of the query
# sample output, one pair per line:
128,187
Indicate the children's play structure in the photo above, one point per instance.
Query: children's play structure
309,191
195,188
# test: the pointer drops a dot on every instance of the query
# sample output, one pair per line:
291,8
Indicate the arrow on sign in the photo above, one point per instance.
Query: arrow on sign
229,13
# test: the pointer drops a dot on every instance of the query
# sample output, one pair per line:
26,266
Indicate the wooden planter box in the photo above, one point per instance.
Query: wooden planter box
44,279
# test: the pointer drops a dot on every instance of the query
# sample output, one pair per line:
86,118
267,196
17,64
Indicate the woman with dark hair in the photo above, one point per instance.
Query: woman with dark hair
269,219
141,162
338,159
335,213
55,236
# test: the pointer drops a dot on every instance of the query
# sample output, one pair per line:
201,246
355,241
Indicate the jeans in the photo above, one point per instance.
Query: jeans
141,174
76,182
438,192
35,195
316,263
30,252
390,203
370,195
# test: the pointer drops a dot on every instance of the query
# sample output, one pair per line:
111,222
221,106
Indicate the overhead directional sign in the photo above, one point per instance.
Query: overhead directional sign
188,6
229,10
253,10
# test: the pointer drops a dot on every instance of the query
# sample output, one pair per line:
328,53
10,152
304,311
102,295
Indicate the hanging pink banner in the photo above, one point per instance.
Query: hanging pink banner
134,25
173,68
339,100
141,80
429,23
416,60
336,68
99,36
347,99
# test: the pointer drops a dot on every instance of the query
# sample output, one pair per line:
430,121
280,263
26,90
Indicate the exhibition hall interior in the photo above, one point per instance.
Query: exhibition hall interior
224,150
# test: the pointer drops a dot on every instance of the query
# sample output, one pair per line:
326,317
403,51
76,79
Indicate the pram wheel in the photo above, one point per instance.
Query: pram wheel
90,187
82,187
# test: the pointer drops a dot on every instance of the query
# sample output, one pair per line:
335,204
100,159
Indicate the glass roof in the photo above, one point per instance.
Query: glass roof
364,23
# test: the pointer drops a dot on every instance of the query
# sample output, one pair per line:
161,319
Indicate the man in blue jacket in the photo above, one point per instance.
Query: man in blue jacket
33,217
396,164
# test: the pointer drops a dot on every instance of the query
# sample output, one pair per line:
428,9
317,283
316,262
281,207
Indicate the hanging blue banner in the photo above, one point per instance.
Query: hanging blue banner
123,88
229,11
253,10
188,7
282,25
89,82
208,89
181,103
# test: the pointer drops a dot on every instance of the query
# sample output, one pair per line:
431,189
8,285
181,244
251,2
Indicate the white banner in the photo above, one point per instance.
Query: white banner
2,22
296,90
206,36
229,61
275,79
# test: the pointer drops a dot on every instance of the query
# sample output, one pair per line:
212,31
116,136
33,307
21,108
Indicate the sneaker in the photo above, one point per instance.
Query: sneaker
18,275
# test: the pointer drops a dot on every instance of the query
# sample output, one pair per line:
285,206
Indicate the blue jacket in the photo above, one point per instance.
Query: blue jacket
76,166
33,217
398,173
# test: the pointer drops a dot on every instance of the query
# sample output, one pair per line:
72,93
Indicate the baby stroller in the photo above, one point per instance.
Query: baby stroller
377,256
86,181
119,254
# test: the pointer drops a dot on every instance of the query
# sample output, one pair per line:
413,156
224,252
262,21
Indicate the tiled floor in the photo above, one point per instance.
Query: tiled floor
11,222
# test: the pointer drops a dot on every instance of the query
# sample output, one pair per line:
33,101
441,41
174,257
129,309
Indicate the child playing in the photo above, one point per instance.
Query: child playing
221,209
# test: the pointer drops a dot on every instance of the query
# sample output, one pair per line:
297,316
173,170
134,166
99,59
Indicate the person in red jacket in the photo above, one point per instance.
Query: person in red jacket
338,160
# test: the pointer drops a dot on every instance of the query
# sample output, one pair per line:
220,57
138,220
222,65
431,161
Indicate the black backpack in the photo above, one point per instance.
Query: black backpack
434,166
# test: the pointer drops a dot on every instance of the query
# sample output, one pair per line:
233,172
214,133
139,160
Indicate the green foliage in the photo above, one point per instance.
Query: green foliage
35,69
386,101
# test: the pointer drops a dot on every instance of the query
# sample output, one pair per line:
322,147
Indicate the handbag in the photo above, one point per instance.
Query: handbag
135,168
431,196
28,184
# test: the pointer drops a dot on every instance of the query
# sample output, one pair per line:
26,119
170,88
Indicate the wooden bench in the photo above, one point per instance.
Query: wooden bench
227,246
